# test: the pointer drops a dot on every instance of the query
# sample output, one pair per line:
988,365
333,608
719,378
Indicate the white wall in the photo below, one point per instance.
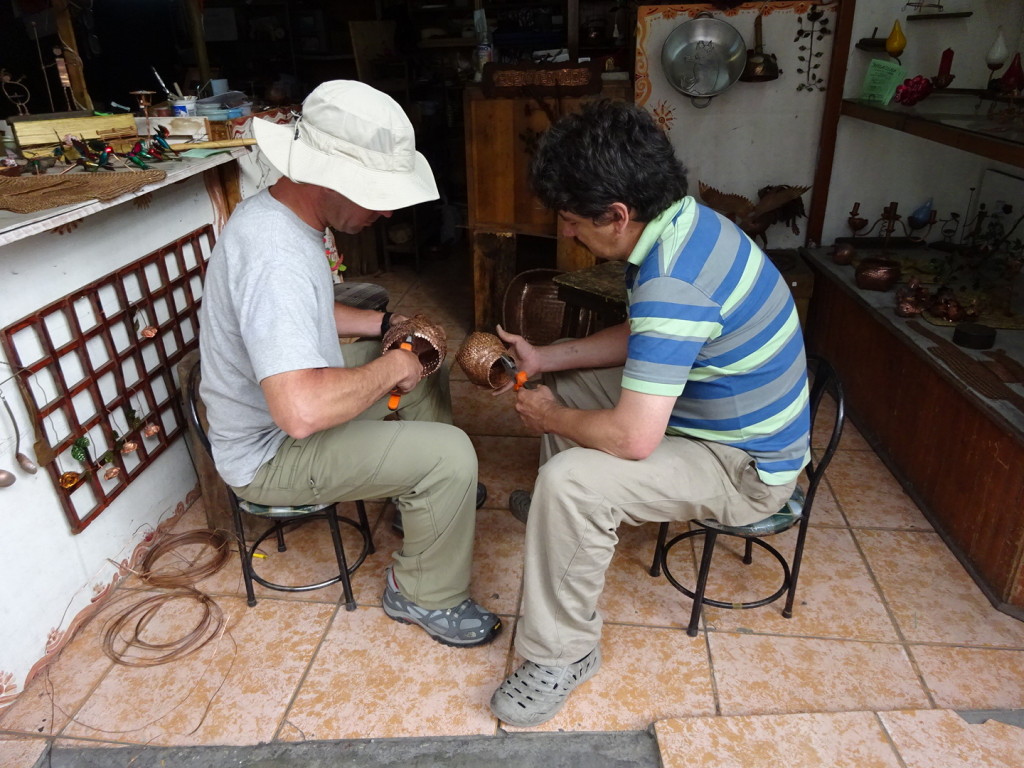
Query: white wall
753,134
49,574
875,165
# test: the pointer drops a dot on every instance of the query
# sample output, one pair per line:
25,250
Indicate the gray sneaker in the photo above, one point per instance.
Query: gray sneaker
534,693
463,626
519,505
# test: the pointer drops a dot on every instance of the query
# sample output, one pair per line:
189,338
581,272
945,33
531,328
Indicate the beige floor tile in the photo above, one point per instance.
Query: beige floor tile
497,564
232,691
972,678
58,690
479,412
455,372
942,739
456,320
21,753
376,678
851,438
194,517
758,674
835,740
133,749
646,675
826,510
631,595
397,282
368,581
506,464
498,561
308,559
835,596
930,594
870,495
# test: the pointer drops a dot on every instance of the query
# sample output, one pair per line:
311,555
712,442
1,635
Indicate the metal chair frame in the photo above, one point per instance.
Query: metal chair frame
284,518
824,380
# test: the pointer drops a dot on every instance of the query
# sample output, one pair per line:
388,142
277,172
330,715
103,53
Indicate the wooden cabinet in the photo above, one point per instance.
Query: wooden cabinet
500,136
959,454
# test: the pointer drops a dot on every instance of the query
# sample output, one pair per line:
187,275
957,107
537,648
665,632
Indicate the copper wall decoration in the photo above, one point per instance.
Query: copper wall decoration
96,372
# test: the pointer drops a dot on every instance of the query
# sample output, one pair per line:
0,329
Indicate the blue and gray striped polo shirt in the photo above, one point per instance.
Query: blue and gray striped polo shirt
713,324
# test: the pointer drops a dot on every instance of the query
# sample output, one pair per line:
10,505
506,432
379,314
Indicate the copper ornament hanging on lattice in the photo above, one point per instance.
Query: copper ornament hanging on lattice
429,341
480,357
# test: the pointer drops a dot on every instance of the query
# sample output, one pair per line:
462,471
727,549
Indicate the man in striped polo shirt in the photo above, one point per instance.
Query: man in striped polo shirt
695,407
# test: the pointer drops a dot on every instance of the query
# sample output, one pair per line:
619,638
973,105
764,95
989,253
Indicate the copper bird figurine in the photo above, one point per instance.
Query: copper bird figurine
775,204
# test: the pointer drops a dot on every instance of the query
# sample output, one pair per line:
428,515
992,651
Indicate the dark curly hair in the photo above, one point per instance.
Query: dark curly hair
609,151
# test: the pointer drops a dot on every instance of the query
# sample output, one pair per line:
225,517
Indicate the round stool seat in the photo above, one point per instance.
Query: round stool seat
266,511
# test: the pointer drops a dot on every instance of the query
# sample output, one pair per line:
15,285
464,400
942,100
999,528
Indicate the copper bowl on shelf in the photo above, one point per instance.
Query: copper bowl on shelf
874,274
843,253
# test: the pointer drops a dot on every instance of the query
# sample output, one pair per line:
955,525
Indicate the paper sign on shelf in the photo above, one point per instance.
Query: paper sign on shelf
881,80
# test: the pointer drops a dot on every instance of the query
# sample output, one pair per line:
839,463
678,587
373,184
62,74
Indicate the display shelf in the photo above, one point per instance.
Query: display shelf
921,403
17,226
959,119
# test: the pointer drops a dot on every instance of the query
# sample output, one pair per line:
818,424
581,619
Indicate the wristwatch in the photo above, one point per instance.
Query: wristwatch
385,323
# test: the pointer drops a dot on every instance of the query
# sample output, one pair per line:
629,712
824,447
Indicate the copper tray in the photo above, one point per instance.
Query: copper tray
532,308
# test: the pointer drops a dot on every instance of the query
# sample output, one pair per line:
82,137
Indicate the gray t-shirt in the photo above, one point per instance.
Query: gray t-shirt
268,307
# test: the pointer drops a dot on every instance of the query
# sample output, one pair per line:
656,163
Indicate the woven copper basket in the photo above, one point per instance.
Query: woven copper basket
429,343
480,356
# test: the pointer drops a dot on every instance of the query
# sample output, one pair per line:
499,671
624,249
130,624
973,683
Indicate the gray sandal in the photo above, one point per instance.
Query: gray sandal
534,693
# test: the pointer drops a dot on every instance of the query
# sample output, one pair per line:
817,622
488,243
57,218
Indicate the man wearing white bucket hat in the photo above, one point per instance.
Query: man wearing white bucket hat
297,418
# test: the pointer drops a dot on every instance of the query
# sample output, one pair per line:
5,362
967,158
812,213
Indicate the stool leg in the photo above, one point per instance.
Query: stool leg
280,537
339,551
702,580
659,550
363,521
748,552
243,553
794,572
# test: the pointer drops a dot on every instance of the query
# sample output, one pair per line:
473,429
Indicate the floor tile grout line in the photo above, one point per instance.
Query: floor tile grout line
48,686
276,737
889,738
904,642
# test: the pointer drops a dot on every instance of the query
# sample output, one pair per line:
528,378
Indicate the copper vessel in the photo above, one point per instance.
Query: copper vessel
480,357
429,341
843,254
874,274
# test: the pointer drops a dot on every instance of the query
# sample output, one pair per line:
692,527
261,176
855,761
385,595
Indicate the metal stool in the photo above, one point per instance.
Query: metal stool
283,517
362,295
797,511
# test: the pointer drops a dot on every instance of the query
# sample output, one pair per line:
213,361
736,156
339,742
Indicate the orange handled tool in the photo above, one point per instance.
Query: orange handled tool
514,372
396,396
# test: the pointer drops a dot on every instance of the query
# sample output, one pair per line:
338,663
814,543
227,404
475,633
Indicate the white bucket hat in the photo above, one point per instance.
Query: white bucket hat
355,140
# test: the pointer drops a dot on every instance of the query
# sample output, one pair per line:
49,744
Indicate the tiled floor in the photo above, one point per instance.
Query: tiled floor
888,636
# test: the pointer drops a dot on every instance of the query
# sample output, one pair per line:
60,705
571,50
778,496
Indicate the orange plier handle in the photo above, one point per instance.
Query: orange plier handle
520,381
396,396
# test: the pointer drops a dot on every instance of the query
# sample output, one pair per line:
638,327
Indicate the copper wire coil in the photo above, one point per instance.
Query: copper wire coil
480,357
429,344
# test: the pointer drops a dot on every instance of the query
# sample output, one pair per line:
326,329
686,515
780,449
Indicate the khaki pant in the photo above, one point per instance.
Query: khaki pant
422,460
583,495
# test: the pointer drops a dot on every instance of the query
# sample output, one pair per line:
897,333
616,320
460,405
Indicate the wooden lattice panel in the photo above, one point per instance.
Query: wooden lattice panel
99,364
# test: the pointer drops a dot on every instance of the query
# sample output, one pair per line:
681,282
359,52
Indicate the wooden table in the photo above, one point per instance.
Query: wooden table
595,297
